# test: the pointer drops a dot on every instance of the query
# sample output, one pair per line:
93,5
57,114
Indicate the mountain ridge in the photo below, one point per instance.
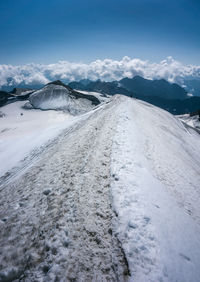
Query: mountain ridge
135,87
142,91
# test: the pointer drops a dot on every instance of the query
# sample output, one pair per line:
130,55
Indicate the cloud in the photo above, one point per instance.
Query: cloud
107,70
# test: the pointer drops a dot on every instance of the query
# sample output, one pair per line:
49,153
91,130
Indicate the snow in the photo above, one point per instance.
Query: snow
155,191
100,96
23,93
58,97
56,219
124,180
21,134
192,121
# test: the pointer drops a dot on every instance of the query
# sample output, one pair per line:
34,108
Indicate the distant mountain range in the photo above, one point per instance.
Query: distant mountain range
110,88
160,88
192,86
161,93
134,87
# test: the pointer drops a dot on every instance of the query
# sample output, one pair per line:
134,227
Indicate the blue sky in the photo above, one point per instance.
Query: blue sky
45,31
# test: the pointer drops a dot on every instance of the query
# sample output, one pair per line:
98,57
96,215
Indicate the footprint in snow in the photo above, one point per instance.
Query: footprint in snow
185,257
146,219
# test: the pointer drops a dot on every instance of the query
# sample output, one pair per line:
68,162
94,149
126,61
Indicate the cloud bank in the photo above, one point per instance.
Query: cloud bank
107,70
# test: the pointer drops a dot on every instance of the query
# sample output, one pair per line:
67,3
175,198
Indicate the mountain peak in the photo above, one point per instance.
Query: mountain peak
60,83
159,87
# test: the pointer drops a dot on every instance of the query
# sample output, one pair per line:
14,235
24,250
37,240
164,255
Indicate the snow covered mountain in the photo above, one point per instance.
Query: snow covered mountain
170,97
57,95
109,195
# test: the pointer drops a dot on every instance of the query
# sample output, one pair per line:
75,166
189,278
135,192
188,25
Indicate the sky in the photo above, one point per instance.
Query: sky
82,31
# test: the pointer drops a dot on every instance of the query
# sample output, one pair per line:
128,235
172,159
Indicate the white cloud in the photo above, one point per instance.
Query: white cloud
107,69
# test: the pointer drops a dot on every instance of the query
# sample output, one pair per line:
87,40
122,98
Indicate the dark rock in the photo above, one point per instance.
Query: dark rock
66,244
196,113
45,268
110,231
4,97
47,192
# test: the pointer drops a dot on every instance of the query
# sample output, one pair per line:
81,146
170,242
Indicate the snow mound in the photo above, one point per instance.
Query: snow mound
60,97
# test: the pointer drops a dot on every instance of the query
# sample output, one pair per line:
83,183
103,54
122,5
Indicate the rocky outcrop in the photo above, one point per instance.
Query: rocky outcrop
4,97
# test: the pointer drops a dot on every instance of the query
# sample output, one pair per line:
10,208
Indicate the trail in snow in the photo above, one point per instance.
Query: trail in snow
114,198
57,223
25,134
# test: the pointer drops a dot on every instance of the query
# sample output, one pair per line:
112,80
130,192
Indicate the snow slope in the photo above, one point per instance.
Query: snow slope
156,193
23,132
114,198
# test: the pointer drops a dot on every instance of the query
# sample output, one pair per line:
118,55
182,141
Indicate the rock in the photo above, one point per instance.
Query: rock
45,268
47,192
66,243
